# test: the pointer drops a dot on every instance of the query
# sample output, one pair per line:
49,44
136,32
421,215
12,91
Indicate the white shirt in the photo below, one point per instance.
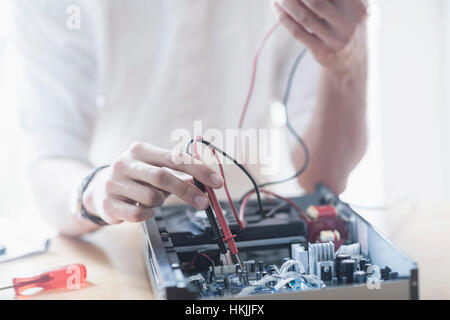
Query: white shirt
141,69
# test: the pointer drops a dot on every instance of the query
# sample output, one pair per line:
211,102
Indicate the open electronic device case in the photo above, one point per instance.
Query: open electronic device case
327,252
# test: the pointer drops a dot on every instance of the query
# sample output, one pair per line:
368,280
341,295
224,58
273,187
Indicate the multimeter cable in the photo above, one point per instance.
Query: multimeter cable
290,127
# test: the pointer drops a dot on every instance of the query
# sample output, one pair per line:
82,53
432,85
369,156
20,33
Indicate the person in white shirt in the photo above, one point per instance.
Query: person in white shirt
115,86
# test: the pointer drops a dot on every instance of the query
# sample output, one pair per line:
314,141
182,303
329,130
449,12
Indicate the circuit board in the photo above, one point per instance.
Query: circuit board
282,251
317,268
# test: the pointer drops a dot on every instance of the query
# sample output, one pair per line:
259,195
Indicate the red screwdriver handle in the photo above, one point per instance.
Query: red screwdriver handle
70,277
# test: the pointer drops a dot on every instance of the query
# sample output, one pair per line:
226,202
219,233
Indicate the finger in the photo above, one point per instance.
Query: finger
188,180
328,11
162,179
298,32
310,21
119,209
355,9
177,161
109,211
136,192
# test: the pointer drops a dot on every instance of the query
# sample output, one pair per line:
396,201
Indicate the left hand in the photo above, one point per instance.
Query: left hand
333,30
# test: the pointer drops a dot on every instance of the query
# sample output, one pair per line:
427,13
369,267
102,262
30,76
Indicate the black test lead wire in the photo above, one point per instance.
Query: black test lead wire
290,128
240,166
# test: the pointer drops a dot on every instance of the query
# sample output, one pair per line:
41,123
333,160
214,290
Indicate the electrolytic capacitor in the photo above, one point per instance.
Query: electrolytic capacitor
220,291
359,277
362,263
258,275
253,266
337,264
226,282
245,278
366,267
385,273
209,276
260,266
347,268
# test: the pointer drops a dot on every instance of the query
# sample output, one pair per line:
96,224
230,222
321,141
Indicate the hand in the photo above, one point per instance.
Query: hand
333,30
139,175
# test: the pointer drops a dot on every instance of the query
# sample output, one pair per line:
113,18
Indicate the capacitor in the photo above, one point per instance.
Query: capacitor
209,276
385,273
326,273
258,275
264,273
337,263
253,266
260,266
366,267
220,291
226,282
245,278
359,277
362,263
347,268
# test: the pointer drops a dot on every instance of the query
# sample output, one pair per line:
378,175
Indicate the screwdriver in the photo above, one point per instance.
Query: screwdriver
69,277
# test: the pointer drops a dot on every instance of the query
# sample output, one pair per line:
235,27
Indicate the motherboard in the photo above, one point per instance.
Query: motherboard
321,244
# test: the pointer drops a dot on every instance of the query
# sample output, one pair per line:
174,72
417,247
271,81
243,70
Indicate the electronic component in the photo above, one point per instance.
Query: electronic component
337,263
362,263
277,256
318,212
320,254
326,273
299,254
329,235
347,269
359,277
353,250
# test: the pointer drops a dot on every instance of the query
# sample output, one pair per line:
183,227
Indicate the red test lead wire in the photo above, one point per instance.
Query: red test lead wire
228,237
254,69
241,223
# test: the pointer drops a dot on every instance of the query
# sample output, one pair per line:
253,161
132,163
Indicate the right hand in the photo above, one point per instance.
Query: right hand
139,175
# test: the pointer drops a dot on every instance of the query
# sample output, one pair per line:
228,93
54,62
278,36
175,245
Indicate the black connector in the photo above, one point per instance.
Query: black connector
216,234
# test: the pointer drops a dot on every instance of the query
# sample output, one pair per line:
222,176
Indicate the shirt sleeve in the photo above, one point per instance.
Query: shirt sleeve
58,78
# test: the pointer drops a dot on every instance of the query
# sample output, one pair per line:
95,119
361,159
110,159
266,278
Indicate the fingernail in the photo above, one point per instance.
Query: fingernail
216,180
201,202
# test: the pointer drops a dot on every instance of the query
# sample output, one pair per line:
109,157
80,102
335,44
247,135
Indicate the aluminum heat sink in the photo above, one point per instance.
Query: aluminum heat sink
319,253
